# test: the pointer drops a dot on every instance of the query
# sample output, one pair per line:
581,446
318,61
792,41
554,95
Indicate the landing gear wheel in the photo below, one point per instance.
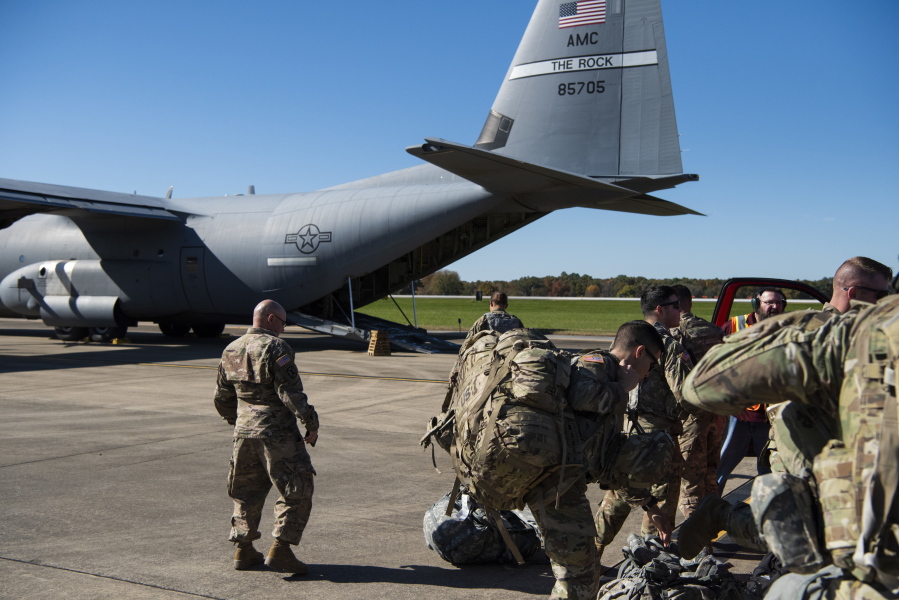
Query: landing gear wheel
209,330
107,334
71,334
174,329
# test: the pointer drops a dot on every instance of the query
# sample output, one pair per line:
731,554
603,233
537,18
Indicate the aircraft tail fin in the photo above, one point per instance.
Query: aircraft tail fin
589,92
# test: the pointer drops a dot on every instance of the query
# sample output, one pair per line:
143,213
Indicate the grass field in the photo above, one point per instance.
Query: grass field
578,317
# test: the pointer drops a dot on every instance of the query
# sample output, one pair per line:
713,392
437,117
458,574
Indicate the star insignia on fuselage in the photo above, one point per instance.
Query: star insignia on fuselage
308,238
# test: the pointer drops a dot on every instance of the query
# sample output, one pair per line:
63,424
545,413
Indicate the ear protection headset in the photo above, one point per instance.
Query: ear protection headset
756,301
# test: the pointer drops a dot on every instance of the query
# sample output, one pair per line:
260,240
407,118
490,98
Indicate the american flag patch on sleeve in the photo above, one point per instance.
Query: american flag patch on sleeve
283,361
596,359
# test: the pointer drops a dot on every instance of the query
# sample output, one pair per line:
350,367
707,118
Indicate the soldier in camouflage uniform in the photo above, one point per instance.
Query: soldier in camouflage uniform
846,367
259,391
800,431
497,320
700,443
597,393
656,405
859,278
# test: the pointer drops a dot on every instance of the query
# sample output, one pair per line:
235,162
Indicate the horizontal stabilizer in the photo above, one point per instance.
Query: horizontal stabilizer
22,198
539,188
645,204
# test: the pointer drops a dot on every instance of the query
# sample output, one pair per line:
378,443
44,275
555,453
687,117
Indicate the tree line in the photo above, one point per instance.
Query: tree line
573,285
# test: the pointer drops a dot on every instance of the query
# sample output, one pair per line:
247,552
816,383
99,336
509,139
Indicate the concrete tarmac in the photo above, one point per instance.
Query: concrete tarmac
113,464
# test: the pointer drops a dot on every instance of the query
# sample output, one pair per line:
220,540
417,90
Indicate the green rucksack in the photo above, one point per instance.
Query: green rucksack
513,434
473,360
513,428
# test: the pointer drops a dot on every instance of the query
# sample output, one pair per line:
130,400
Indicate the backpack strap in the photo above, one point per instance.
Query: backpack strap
881,504
448,421
561,363
510,543
448,418
491,423
448,397
564,439
632,411
452,499
476,407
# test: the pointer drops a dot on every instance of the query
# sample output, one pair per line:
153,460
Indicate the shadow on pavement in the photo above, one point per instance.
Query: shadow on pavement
531,578
142,346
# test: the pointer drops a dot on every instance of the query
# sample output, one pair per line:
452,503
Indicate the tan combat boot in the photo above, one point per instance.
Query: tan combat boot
704,525
280,558
247,556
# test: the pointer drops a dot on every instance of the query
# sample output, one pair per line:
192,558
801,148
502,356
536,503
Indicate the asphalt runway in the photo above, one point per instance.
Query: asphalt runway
113,465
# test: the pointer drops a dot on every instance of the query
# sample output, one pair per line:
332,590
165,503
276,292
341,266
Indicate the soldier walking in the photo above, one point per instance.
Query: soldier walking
259,391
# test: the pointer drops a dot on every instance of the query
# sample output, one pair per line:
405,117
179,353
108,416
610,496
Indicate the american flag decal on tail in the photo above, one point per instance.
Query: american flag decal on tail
582,12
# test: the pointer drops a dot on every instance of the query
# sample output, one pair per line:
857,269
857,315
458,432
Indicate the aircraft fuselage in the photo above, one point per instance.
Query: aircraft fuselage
229,251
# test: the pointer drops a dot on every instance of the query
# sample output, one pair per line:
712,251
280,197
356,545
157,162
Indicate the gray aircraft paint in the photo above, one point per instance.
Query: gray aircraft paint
76,257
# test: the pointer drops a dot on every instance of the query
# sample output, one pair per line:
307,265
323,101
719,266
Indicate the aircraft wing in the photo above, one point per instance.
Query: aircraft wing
540,188
22,198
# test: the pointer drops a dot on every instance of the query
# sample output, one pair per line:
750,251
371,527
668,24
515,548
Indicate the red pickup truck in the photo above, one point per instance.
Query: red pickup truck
741,285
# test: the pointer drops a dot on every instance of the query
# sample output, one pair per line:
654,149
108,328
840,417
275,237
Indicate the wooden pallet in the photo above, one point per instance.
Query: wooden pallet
379,344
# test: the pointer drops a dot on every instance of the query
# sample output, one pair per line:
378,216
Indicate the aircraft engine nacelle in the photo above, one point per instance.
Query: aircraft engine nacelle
68,293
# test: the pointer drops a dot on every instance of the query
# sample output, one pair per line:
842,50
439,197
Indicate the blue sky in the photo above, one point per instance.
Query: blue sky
789,112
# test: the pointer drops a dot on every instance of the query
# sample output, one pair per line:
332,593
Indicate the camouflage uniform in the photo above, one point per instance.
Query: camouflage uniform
593,389
703,434
496,320
569,533
598,402
657,407
259,391
568,539
697,335
799,431
846,369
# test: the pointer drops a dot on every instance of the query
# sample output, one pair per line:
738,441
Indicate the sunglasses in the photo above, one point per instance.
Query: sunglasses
675,304
280,319
879,293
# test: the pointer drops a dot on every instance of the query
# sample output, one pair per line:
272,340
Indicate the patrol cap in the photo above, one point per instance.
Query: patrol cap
644,459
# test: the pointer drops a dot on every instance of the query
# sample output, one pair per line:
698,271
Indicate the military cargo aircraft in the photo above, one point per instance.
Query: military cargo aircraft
584,118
